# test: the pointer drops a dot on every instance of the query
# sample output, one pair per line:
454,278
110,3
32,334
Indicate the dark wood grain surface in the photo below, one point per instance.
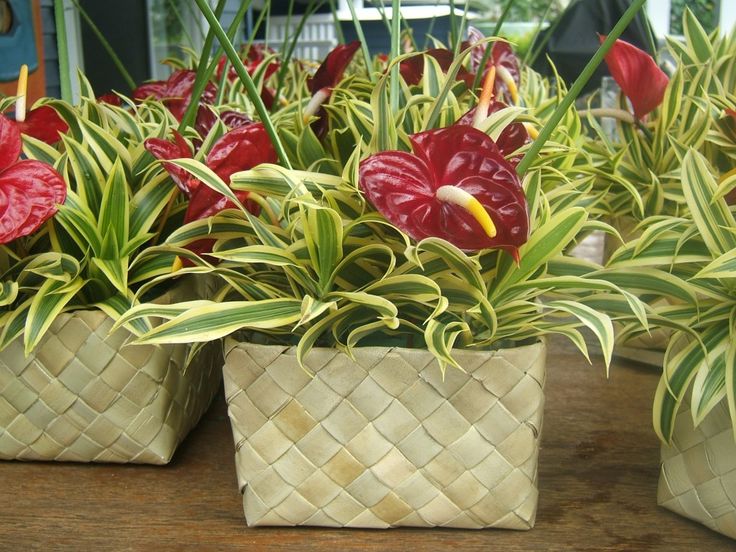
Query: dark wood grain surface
598,481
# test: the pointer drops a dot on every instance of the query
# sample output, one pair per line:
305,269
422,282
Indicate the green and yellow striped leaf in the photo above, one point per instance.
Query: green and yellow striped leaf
45,306
216,320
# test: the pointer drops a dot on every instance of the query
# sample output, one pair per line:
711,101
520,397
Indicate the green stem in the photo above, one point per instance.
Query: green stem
203,73
62,45
363,42
453,26
336,21
577,87
461,31
250,86
289,51
382,10
395,50
536,33
106,45
430,28
237,20
196,19
489,47
529,60
286,30
173,7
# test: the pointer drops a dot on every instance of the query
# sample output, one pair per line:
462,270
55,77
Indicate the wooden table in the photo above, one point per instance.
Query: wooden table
598,481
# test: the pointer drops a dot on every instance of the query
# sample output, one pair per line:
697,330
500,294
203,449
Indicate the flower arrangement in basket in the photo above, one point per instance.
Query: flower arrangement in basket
81,218
387,288
640,178
688,234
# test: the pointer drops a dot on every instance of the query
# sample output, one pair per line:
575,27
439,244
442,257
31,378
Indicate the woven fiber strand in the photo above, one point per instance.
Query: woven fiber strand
85,396
383,441
698,474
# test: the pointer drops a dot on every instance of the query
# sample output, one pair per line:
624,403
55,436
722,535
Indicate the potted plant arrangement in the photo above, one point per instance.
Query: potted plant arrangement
78,243
694,408
387,290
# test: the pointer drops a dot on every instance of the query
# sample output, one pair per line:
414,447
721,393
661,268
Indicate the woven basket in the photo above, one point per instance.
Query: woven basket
698,474
85,396
384,441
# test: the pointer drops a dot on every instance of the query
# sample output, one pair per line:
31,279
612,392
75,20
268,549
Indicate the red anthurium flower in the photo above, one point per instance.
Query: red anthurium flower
206,119
412,69
326,77
638,76
110,98
455,185
238,150
502,57
43,123
175,92
178,149
252,59
330,71
30,190
513,137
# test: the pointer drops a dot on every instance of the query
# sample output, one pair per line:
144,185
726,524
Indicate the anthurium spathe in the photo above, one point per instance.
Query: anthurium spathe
252,59
30,190
175,92
238,150
412,69
638,76
326,77
511,139
502,59
456,185
43,123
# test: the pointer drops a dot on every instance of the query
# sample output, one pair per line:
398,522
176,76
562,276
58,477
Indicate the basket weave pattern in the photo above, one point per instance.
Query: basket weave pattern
383,441
698,474
84,396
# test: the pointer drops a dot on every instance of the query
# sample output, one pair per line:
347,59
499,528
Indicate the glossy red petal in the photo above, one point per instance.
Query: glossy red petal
29,194
110,98
476,54
45,124
178,92
164,150
235,119
153,89
731,113
10,142
456,152
402,186
638,76
205,120
330,71
513,137
241,149
412,69
204,203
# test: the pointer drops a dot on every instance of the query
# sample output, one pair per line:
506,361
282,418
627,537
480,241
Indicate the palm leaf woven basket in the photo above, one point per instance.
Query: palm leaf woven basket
86,396
698,474
383,440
